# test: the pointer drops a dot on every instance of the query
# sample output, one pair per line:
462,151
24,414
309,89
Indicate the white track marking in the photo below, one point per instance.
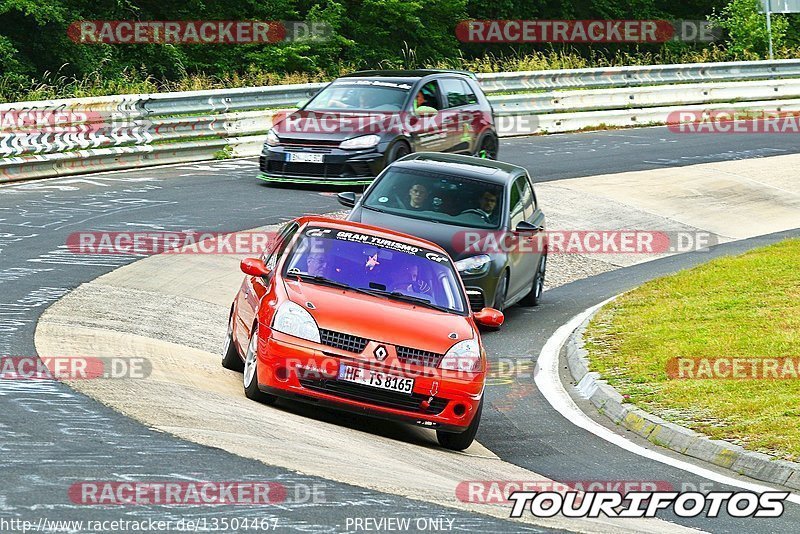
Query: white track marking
549,383
99,174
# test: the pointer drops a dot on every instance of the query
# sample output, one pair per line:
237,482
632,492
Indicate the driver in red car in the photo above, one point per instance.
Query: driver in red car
411,283
316,264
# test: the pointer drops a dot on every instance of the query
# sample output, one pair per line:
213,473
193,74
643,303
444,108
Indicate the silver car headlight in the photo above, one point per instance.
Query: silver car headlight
364,141
294,320
272,138
464,356
474,265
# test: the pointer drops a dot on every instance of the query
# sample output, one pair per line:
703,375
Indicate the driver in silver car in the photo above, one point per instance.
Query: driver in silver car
487,204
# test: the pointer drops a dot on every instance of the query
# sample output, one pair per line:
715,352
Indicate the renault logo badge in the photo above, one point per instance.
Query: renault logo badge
380,353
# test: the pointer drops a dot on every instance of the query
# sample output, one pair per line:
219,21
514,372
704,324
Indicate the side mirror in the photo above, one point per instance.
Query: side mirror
254,267
346,199
525,226
489,317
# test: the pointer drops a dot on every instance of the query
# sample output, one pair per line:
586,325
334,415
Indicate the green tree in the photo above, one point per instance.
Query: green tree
746,28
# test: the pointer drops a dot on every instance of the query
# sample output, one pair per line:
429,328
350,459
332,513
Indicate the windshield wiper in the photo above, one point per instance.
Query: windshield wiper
395,295
373,208
401,213
321,280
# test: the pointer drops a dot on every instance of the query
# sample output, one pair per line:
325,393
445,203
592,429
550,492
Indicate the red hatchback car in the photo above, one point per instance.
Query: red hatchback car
362,319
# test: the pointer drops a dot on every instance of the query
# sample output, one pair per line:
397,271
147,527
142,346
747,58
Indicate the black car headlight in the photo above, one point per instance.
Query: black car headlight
474,265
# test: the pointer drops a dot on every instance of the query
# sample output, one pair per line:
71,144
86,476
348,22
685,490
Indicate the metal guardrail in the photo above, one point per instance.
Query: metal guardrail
636,97
123,131
639,75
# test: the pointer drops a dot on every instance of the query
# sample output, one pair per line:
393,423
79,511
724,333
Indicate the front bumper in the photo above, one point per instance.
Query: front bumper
338,166
285,370
481,289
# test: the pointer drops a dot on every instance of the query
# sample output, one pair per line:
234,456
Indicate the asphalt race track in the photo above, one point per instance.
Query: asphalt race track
51,437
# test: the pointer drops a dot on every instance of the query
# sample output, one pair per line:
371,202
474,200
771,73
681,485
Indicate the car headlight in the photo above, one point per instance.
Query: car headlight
474,265
464,356
292,319
365,141
272,138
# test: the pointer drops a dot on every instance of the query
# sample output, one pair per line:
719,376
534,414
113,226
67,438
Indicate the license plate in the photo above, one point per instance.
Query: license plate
376,379
304,157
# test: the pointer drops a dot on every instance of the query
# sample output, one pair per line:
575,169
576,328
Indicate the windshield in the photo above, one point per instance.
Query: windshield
360,95
442,198
383,267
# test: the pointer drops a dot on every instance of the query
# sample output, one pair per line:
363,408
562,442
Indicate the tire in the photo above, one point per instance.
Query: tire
250,374
501,292
488,147
397,151
230,355
535,296
461,441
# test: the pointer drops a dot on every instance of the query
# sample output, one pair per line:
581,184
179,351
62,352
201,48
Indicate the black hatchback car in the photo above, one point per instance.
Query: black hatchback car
483,213
358,124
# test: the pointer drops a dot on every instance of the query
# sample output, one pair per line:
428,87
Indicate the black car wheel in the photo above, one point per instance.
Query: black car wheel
533,298
459,442
230,356
488,147
500,292
397,151
250,375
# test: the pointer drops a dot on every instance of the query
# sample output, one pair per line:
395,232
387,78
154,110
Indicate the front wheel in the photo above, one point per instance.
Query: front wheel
397,151
461,441
534,297
499,302
230,356
488,147
250,375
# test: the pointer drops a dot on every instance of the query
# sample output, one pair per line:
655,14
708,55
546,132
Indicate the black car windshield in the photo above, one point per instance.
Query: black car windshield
385,268
443,198
360,95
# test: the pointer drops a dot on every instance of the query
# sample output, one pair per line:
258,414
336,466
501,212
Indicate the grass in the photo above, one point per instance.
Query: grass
130,81
52,86
746,306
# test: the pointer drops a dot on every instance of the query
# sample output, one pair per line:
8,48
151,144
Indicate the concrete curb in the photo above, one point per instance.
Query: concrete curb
611,403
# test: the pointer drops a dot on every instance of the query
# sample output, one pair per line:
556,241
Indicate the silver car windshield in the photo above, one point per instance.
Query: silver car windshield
443,198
